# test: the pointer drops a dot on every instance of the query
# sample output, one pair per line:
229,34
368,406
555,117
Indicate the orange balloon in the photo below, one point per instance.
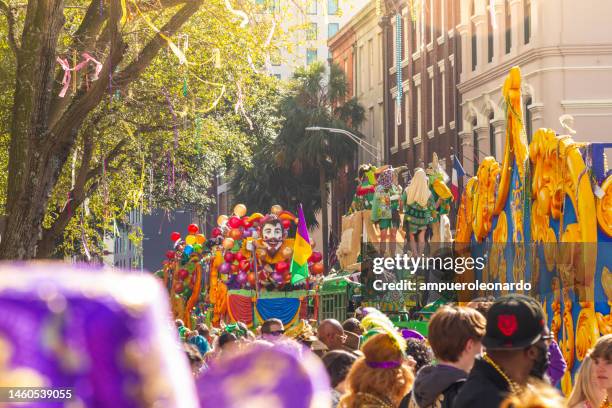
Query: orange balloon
240,210
276,209
228,243
235,233
222,220
287,252
318,268
201,239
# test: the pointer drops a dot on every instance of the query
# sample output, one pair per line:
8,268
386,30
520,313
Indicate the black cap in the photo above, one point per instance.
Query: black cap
514,322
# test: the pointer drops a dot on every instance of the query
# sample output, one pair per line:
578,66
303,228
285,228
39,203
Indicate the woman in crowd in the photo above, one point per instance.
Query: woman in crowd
382,377
338,363
418,206
602,362
586,393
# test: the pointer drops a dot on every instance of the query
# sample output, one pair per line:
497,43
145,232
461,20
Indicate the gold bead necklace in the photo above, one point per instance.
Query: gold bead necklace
515,389
605,403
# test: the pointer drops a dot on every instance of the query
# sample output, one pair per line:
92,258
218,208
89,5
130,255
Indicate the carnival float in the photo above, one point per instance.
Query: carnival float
544,215
244,271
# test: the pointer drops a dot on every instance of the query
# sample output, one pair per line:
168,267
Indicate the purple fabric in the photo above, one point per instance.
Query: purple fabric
412,334
302,230
106,335
557,366
288,376
383,364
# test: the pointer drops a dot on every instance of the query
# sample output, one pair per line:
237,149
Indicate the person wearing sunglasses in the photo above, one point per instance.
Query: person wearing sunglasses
272,329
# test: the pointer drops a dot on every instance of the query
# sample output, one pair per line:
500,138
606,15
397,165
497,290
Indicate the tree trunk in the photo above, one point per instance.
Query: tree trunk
324,220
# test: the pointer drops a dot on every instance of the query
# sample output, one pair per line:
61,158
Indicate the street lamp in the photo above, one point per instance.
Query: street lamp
369,148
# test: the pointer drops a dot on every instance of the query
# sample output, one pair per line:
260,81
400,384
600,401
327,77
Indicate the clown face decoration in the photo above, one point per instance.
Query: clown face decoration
272,235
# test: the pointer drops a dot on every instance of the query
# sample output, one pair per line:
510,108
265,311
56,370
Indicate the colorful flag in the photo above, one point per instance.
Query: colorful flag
301,250
457,172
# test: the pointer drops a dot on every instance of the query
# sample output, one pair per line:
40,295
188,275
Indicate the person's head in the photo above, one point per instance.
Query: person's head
331,334
272,233
455,335
179,323
538,395
602,360
272,329
227,340
338,363
420,352
482,304
352,325
383,372
586,386
418,189
194,357
203,331
517,337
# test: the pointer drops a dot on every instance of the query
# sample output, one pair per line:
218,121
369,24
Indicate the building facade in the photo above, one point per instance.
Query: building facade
564,50
421,94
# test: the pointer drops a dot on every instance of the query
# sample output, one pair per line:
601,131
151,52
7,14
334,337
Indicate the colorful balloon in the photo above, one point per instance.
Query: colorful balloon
193,228
246,223
222,220
183,273
276,209
318,268
178,287
229,257
175,236
225,268
190,239
239,256
197,248
287,253
286,223
228,243
240,210
282,267
234,268
241,278
234,222
247,233
277,277
200,239
315,257
251,278
244,265
235,233
188,250
216,232
170,254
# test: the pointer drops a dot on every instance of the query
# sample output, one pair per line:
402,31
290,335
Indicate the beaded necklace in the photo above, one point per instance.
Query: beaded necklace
605,403
514,387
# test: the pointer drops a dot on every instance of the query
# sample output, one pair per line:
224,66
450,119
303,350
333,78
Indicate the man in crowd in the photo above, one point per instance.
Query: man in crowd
272,329
455,335
199,339
516,342
353,330
331,334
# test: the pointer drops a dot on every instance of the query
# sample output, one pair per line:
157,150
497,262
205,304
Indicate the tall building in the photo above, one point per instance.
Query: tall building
564,50
121,252
310,23
421,78
357,50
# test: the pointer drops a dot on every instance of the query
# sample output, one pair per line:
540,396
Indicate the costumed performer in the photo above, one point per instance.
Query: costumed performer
385,208
418,206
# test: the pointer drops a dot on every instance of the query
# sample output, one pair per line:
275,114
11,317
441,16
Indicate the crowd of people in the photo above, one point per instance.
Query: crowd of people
484,354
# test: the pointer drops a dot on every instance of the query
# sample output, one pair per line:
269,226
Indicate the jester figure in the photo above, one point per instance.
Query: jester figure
385,208
441,194
366,177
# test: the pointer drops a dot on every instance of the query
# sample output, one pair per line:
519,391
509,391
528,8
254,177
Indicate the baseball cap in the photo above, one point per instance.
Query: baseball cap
514,322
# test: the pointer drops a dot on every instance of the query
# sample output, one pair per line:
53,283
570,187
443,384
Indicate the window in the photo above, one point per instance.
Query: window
527,21
476,147
311,55
332,7
270,5
490,36
528,125
492,135
332,29
278,76
508,19
311,32
474,39
413,37
312,7
370,62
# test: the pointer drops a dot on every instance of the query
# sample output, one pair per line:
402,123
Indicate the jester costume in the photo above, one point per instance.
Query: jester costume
418,203
385,205
365,190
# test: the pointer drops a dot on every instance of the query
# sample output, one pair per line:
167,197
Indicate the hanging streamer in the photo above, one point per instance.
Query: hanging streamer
239,107
216,101
124,13
175,119
176,50
398,65
267,45
67,70
239,13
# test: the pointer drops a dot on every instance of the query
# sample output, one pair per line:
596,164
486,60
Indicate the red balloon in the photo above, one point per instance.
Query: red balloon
216,232
193,229
170,254
317,268
282,267
229,257
244,265
315,257
286,223
234,222
183,273
246,223
239,256
234,268
175,236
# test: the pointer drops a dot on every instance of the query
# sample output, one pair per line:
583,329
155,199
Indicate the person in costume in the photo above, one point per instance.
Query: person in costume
443,196
380,378
364,195
419,209
385,208
272,248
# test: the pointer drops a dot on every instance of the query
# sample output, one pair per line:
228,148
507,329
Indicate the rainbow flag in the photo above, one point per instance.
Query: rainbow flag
301,251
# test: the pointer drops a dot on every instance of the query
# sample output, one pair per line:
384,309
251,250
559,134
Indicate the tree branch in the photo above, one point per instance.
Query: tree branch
11,26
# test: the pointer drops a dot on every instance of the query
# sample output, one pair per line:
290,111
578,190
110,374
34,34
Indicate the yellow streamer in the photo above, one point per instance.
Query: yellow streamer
124,12
216,101
176,50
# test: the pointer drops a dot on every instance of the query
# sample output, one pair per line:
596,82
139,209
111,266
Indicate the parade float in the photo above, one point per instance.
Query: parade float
544,215
243,272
